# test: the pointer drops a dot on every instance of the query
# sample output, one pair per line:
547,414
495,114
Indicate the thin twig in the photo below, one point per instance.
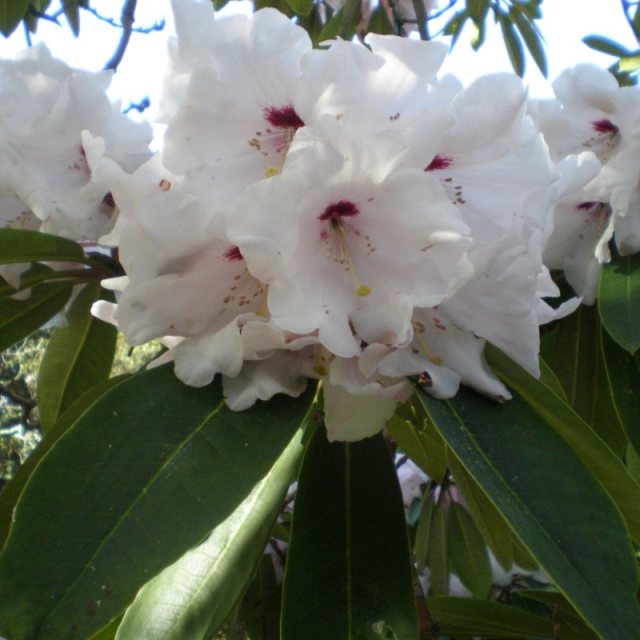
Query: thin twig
18,399
127,20
156,26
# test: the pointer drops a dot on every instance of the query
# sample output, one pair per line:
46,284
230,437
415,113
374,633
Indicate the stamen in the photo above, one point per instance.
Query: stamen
271,172
419,330
362,290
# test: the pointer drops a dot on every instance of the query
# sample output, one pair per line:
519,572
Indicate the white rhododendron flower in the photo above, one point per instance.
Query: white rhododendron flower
591,112
337,214
56,123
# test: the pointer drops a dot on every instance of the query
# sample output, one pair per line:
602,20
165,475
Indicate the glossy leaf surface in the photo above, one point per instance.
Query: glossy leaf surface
585,443
348,571
79,356
149,470
516,456
199,591
619,300
19,318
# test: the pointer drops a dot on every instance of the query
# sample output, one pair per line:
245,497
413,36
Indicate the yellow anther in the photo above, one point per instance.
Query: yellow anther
362,290
425,348
272,171
320,370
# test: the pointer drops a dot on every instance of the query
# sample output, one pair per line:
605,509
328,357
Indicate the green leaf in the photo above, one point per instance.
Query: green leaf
348,572
438,558
380,23
619,300
78,356
455,26
421,443
198,592
623,373
466,616
512,42
606,45
574,351
301,7
11,492
550,379
260,610
550,498
22,245
351,12
477,9
490,523
72,14
586,444
630,64
423,531
468,552
19,318
11,12
531,37
141,477
331,29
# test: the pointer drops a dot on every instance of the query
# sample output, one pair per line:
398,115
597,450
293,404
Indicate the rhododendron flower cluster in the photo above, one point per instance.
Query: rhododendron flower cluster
56,124
338,213
592,112
341,214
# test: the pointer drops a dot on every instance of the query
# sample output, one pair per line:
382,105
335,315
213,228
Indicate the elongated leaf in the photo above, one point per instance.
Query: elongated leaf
630,64
198,592
11,12
141,477
260,610
301,7
455,26
423,531
348,572
380,23
72,14
422,444
22,245
11,492
512,42
468,617
468,552
490,523
606,45
574,351
19,318
78,356
438,558
550,499
619,300
531,38
623,373
586,444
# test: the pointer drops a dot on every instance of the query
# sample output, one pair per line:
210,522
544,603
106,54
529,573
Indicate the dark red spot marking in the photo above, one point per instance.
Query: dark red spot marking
233,254
108,201
605,126
341,209
439,162
586,206
283,117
